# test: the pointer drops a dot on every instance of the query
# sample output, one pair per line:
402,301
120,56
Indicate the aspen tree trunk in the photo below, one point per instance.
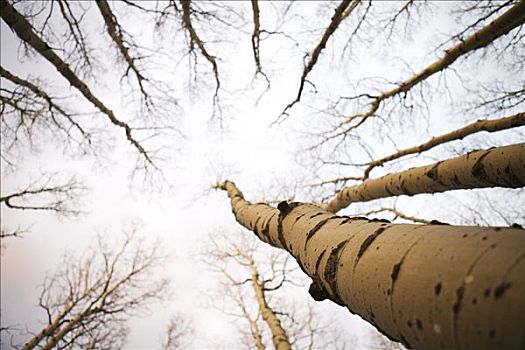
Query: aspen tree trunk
495,167
427,286
49,330
259,345
70,324
490,125
279,336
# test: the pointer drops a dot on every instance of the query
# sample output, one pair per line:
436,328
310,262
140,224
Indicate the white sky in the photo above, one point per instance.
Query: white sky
247,151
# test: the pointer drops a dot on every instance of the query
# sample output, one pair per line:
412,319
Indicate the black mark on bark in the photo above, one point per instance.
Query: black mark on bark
368,241
437,288
435,222
318,262
317,292
284,209
404,189
315,215
501,289
266,229
433,173
512,179
459,297
346,220
330,271
255,226
395,272
419,324
316,228
379,220
478,169
298,218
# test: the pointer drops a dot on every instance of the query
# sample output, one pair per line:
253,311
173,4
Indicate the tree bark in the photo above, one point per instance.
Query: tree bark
279,336
427,286
490,125
495,167
50,330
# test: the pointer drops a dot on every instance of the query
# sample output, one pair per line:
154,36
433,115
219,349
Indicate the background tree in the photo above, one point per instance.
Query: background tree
90,298
255,282
178,333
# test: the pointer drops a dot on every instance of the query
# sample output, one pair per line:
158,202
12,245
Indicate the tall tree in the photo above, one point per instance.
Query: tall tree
256,281
399,277
89,299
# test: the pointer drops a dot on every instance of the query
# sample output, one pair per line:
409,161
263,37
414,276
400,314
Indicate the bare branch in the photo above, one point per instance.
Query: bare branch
80,46
512,18
196,40
88,300
32,106
116,33
341,12
397,214
495,167
458,134
177,333
18,232
25,32
256,35
60,197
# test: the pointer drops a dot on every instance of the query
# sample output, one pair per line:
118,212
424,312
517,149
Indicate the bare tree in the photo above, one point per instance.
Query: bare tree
256,282
25,32
45,194
89,299
502,25
28,113
178,332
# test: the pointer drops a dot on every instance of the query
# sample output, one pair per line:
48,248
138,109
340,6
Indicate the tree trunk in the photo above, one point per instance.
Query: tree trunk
279,337
495,167
490,125
50,330
430,286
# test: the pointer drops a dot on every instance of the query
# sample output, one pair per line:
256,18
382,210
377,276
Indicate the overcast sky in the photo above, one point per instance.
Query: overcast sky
247,150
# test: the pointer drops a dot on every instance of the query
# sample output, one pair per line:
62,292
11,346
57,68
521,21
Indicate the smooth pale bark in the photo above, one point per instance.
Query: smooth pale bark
279,336
49,330
428,286
495,167
490,125
70,324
